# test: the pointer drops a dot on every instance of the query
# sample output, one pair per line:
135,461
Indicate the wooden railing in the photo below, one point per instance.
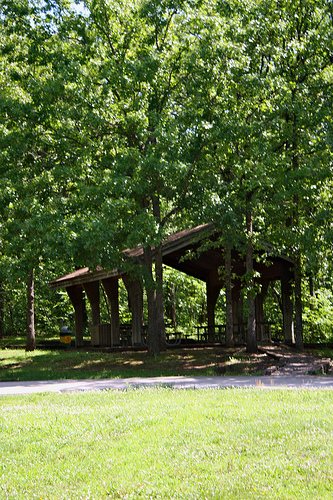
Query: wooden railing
203,334
216,334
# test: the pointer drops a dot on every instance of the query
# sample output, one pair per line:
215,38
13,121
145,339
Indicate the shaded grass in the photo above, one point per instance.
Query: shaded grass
168,444
16,364
324,351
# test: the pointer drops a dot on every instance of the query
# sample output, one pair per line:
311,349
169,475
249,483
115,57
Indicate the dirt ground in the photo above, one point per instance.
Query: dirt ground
273,359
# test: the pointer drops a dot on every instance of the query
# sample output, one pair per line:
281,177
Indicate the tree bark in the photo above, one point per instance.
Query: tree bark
213,292
2,310
251,345
173,306
287,305
229,328
154,290
298,303
297,255
159,298
312,293
156,327
31,340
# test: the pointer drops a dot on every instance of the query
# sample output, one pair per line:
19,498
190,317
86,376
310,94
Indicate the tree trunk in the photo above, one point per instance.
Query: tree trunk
297,256
156,327
173,306
312,293
153,345
298,303
154,290
229,329
287,305
251,345
159,297
31,340
213,292
2,310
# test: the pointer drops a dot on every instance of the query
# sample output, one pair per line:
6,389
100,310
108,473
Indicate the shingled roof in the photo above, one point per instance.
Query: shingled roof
180,241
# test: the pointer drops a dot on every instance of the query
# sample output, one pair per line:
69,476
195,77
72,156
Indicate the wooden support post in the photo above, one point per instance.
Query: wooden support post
229,326
137,318
75,294
213,292
235,311
135,294
111,289
287,305
259,309
92,292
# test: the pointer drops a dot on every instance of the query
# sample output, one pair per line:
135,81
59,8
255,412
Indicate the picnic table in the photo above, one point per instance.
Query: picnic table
173,338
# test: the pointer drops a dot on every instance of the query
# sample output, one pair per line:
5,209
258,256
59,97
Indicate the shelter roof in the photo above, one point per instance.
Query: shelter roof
182,251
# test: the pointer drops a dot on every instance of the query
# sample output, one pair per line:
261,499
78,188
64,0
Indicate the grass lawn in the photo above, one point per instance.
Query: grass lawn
44,364
16,364
168,444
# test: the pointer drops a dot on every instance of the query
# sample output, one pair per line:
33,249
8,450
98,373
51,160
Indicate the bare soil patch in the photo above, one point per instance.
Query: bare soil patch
273,359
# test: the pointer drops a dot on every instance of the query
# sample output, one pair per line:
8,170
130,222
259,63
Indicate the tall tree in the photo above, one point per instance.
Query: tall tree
267,82
29,156
301,73
125,124
233,93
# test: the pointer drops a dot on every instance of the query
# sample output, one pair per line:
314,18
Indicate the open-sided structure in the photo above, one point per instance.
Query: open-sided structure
182,251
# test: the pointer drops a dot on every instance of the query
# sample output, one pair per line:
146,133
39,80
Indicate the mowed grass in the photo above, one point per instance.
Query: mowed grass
168,444
45,364
17,364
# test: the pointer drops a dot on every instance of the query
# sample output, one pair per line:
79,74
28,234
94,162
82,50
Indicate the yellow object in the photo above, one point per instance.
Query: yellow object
65,339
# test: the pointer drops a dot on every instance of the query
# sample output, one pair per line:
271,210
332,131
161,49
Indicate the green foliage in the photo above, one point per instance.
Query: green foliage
272,310
318,317
126,120
50,309
14,304
184,297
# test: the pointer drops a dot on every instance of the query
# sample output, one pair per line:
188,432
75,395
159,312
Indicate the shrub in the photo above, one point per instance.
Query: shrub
318,317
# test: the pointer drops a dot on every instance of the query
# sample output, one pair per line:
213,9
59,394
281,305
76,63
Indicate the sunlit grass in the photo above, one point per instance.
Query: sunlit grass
45,364
17,364
169,444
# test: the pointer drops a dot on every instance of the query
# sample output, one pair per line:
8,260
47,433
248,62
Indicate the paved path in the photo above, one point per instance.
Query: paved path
262,382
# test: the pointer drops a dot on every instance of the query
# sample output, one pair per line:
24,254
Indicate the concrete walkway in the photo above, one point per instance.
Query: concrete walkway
261,382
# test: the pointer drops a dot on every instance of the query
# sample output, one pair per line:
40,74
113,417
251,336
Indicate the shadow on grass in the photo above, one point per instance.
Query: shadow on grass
18,365
77,364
